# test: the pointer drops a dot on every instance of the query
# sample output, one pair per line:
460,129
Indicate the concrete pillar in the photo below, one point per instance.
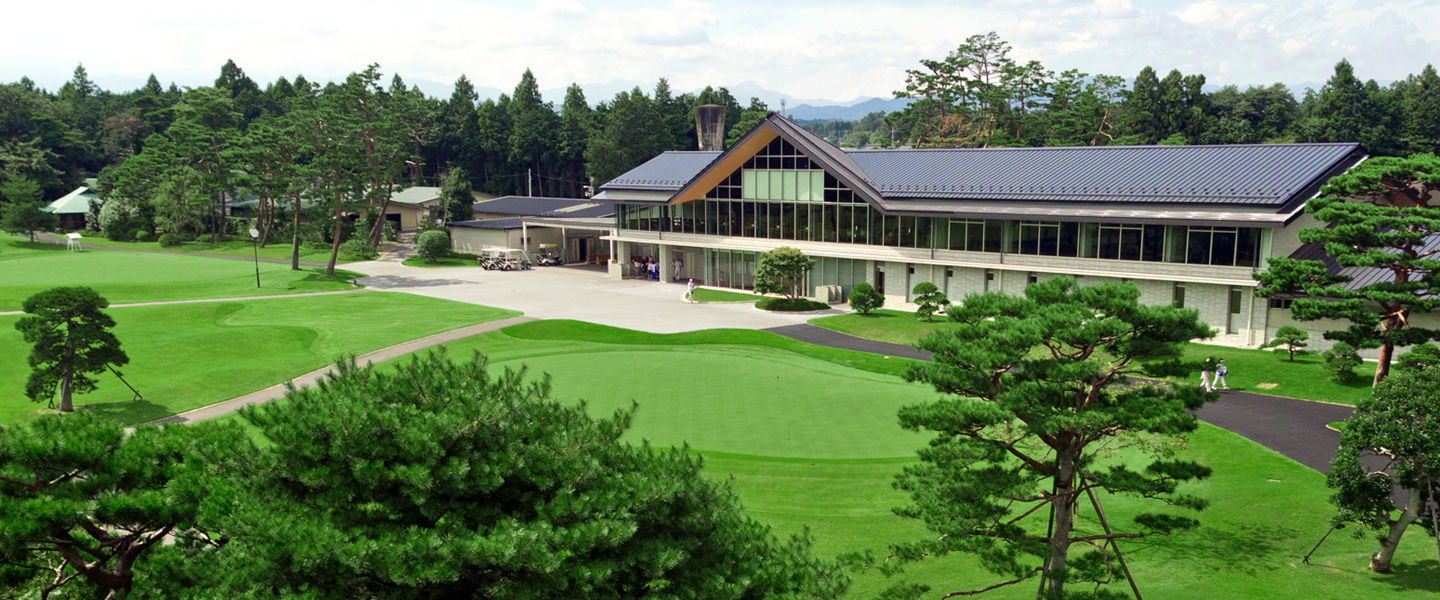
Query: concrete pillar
619,259
667,263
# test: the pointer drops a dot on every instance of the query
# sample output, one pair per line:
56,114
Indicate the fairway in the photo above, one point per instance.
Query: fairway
820,447
125,277
184,356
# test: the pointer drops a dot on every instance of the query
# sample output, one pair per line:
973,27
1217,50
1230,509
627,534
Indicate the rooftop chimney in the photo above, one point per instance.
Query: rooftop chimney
710,126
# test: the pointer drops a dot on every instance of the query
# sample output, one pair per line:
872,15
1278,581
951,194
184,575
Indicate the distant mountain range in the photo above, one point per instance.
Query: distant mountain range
803,109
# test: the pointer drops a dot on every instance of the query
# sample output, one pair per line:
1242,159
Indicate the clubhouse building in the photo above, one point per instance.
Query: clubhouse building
1189,225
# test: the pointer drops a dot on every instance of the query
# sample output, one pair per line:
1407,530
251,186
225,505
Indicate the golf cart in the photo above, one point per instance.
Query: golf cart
548,257
503,259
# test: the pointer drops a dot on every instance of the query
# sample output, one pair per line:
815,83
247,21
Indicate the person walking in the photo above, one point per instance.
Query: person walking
654,271
1220,373
1205,376
690,291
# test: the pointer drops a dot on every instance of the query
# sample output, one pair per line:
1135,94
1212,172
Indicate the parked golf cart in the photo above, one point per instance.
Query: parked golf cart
548,257
503,259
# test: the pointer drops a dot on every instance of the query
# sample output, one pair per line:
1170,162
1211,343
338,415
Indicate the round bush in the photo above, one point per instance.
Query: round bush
432,245
140,235
171,240
788,305
357,249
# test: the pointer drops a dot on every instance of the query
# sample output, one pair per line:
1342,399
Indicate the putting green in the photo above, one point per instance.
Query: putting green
185,356
126,277
819,449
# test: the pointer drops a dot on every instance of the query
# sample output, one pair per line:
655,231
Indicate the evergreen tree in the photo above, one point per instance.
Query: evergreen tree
457,134
249,101
456,199
1388,228
1036,389
1145,110
71,336
576,122
532,127
1420,120
1395,426
86,502
558,507
493,148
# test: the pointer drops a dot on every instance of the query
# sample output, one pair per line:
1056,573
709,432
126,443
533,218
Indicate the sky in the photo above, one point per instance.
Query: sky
835,50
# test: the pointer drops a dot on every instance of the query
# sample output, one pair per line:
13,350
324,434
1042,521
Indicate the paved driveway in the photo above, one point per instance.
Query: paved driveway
576,293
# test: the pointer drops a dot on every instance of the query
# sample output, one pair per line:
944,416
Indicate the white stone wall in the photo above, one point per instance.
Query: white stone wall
1279,317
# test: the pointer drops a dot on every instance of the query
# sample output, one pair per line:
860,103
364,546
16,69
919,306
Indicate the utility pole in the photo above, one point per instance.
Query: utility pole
528,180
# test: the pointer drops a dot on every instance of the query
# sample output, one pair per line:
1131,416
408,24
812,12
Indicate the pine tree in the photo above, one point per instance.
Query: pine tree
532,127
576,122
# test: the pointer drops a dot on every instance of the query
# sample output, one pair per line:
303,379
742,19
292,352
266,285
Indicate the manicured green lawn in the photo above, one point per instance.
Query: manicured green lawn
448,261
125,277
184,356
1265,372
709,295
811,444
242,248
894,326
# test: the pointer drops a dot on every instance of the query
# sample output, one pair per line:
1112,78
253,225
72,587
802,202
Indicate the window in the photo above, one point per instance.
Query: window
989,279
1281,303
1032,279
1178,300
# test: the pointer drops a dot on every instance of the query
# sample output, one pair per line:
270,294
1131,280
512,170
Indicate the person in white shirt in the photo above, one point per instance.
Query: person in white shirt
1220,373
690,291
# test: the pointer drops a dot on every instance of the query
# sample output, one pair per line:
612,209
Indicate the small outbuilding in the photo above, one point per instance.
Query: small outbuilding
72,207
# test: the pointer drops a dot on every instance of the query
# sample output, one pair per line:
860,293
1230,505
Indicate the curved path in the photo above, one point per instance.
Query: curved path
1294,428
277,391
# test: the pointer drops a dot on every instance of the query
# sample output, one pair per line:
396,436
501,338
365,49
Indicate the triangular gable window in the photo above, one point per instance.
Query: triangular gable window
781,172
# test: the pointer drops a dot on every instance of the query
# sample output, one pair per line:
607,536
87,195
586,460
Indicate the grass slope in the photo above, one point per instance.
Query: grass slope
894,326
125,277
819,449
709,295
184,356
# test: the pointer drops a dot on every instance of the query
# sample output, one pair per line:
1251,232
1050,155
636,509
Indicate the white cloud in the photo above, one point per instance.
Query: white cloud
1200,12
838,50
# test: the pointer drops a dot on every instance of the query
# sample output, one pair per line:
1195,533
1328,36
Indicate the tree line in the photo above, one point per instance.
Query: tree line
979,96
517,143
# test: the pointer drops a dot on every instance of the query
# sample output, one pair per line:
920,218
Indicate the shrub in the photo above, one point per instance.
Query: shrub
357,249
1341,359
782,271
1420,356
171,240
119,218
790,305
432,245
865,298
139,235
1289,339
929,299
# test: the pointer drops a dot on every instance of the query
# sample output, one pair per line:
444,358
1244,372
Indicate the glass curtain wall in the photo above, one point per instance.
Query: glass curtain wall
781,194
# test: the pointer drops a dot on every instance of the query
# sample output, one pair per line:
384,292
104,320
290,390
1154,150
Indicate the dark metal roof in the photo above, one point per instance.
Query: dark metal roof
504,224
1258,174
537,206
1360,277
667,172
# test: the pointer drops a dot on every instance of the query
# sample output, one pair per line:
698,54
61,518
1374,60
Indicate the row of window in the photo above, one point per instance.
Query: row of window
861,224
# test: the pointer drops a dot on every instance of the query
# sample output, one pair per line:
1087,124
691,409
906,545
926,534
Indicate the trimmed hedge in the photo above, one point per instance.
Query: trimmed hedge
788,305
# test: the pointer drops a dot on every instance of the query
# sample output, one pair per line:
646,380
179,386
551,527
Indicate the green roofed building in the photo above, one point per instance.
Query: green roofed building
72,207
1189,225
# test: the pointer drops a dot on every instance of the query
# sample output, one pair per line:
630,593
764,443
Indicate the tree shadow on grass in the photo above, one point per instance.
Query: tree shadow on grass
1249,548
128,412
1421,575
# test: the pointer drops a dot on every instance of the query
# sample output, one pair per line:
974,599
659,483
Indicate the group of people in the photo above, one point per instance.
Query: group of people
1210,384
649,268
